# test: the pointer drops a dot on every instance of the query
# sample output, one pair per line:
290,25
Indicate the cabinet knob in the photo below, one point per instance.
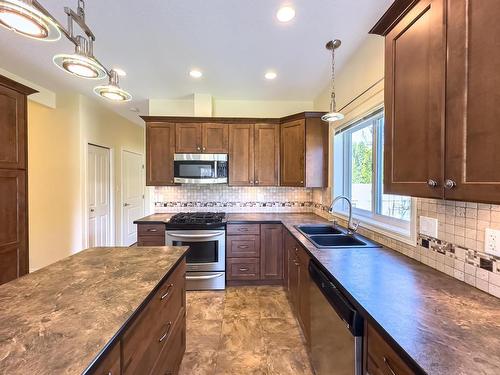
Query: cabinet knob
432,183
449,184
198,148
204,148
251,182
257,182
302,182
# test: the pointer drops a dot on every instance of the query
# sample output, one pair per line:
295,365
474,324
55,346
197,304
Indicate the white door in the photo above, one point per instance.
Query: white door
133,186
98,196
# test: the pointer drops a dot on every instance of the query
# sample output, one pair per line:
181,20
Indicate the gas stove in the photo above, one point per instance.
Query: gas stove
197,220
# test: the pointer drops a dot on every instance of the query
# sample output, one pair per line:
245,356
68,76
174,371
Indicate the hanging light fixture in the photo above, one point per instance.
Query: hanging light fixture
112,91
82,63
31,19
333,115
23,17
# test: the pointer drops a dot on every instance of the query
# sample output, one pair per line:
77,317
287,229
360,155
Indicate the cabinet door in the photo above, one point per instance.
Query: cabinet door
12,129
473,92
293,153
293,277
215,138
13,231
188,138
160,148
241,155
267,151
271,252
303,293
415,57
111,364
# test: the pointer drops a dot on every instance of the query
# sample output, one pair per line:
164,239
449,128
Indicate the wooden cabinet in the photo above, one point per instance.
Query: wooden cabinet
472,93
304,151
201,137
254,253
151,234
441,90
160,148
111,363
254,154
381,359
293,273
271,251
13,180
241,155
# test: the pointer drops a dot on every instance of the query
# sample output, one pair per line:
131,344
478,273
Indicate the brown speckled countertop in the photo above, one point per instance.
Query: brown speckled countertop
58,319
445,326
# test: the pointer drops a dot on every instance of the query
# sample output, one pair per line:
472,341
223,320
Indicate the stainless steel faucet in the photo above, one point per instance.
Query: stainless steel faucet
351,225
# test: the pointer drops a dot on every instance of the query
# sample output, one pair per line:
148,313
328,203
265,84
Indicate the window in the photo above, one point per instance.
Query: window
358,174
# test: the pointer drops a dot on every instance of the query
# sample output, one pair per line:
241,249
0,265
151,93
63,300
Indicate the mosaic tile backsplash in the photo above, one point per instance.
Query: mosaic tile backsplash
459,249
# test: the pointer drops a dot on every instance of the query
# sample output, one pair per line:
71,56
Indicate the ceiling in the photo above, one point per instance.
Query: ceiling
233,42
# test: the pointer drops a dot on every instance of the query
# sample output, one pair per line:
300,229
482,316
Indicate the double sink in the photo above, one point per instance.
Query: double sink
325,236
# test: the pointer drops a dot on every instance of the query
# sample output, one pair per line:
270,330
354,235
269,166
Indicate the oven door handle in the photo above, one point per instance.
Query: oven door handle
208,277
206,235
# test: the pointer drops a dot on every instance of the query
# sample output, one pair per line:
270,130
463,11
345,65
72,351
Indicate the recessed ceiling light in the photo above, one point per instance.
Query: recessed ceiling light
285,14
195,73
270,75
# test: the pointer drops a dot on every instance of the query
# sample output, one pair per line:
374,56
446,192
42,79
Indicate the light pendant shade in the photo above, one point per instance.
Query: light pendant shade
112,91
81,63
25,19
333,115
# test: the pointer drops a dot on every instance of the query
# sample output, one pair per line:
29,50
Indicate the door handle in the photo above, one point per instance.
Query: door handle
92,210
126,204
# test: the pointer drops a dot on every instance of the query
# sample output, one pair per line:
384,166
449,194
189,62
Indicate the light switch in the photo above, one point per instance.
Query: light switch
428,226
492,242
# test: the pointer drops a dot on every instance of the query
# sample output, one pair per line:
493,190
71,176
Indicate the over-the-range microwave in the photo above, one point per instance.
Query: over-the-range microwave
200,168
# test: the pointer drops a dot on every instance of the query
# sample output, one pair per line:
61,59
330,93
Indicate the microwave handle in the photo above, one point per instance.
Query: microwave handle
181,235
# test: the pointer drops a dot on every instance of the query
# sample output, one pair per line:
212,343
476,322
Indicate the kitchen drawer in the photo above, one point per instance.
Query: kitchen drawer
110,364
381,358
151,241
171,356
243,229
243,246
243,269
151,230
145,339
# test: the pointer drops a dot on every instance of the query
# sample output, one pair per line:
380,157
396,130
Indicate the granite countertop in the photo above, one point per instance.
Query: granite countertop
58,319
442,324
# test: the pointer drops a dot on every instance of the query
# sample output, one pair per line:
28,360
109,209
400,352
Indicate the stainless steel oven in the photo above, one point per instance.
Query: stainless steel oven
206,257
200,168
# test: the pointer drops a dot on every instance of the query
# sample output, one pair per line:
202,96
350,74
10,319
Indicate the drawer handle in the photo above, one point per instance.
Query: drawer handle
242,246
243,229
152,230
167,293
386,361
169,325
243,269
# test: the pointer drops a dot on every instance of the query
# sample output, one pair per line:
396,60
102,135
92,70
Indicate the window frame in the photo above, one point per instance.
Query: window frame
399,229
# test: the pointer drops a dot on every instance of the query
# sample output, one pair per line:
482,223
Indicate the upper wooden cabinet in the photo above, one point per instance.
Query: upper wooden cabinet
160,148
441,94
201,137
254,154
304,151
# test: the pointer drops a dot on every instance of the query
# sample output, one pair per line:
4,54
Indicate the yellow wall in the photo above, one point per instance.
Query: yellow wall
55,218
57,139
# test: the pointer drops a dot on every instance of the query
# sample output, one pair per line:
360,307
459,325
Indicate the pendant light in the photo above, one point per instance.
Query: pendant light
333,115
23,17
82,63
29,18
112,91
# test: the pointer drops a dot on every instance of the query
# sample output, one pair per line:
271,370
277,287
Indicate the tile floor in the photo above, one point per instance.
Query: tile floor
243,330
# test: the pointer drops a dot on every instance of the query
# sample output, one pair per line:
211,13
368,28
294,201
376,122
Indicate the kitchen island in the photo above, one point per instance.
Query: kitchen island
71,317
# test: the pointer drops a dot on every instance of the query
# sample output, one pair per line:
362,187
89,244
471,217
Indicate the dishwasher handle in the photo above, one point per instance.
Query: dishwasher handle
340,304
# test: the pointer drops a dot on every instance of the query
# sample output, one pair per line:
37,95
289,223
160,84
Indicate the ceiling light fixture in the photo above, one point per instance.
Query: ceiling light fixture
112,90
333,115
285,14
31,19
195,73
270,75
23,17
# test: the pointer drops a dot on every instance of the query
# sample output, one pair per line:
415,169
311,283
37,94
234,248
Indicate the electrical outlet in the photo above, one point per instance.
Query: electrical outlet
428,226
492,242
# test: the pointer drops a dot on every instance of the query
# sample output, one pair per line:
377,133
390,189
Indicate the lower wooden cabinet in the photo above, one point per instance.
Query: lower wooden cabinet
156,340
254,253
381,359
150,234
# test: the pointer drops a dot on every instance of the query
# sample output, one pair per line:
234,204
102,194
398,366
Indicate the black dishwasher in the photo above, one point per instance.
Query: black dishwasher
336,329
